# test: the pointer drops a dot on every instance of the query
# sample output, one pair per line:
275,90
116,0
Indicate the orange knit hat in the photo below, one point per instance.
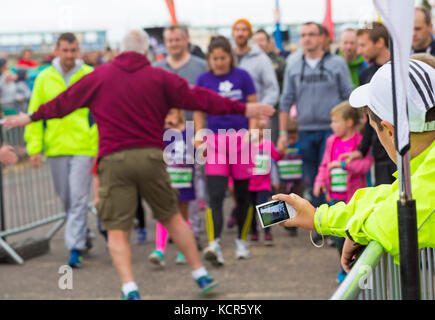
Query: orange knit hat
245,21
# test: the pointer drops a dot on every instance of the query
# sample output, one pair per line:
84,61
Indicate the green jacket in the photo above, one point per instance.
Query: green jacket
75,134
371,214
356,66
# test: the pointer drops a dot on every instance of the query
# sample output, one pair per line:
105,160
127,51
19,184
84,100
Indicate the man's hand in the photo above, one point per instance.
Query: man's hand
35,160
350,251
334,164
349,156
304,211
7,155
21,120
258,110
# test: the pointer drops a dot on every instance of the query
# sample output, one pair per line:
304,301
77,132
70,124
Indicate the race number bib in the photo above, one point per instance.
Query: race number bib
181,177
338,180
290,169
262,165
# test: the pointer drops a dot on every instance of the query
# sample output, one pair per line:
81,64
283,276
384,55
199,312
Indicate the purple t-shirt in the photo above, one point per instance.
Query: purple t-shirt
236,85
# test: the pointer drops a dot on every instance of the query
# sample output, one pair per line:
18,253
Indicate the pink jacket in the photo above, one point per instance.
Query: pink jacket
356,169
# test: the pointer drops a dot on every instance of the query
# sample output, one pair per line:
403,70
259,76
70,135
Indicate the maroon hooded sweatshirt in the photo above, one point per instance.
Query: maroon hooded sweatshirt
129,100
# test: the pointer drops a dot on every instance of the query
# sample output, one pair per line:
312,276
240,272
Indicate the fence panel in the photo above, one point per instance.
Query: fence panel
376,277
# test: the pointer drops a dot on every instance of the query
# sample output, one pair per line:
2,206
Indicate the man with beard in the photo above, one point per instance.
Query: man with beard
256,62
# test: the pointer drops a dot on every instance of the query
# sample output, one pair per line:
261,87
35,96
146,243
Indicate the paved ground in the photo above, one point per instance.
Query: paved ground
291,269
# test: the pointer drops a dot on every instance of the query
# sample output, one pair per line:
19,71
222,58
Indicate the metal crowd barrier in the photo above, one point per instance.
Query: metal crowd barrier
375,276
28,199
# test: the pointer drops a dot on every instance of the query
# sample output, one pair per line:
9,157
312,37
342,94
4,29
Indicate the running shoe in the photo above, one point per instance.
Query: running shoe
141,235
213,253
254,237
206,284
202,204
180,258
157,257
242,251
75,258
268,239
132,295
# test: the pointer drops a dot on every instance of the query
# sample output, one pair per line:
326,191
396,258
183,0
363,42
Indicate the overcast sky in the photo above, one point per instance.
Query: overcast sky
117,16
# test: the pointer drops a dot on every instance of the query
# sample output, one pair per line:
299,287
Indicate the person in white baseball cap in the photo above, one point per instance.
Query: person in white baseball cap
371,214
377,97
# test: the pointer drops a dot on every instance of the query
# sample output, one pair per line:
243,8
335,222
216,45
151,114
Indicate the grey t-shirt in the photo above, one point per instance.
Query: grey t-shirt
189,71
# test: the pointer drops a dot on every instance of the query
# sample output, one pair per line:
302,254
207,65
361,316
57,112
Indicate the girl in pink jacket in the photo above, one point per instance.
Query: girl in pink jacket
337,178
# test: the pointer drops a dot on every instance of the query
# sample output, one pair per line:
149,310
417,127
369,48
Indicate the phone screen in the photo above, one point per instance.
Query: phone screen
274,212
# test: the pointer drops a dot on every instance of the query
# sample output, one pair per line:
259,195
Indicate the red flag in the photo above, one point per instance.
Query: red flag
327,22
171,8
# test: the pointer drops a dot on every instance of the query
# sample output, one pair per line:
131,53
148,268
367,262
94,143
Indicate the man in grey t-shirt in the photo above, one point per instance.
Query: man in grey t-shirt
189,67
179,59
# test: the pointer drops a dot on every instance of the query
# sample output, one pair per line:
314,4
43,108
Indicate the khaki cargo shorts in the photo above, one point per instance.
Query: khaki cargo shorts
126,173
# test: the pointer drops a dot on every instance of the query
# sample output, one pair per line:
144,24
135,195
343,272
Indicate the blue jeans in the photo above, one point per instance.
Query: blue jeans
312,147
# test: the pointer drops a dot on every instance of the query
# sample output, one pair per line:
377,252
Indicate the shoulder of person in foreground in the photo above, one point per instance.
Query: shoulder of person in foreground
371,214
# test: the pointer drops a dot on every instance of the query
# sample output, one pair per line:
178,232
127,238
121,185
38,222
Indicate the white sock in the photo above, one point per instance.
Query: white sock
129,287
198,273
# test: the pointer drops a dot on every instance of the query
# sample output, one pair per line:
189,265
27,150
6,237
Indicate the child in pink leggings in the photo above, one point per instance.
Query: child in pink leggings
181,171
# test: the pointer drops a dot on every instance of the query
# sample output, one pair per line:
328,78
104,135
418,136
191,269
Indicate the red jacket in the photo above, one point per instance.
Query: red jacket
129,100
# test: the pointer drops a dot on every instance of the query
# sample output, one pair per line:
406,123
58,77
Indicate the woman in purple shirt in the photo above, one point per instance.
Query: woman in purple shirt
227,152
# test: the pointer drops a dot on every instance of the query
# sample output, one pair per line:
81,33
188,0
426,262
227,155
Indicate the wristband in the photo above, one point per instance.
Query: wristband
30,114
343,164
282,133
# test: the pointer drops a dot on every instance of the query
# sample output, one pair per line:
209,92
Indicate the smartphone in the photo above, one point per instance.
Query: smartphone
274,212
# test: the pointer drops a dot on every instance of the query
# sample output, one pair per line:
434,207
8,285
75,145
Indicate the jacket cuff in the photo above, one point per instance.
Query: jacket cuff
320,220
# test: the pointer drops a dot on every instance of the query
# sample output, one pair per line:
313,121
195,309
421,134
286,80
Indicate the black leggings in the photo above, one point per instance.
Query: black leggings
258,197
217,186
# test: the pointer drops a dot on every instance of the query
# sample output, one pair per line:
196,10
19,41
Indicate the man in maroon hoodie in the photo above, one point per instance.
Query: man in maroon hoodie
129,100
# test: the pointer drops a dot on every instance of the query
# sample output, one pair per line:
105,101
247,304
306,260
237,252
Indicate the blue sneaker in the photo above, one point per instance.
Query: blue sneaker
180,258
157,257
206,284
341,276
141,235
133,295
75,258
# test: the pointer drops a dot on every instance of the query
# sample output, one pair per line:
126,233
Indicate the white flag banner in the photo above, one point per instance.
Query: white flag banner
398,17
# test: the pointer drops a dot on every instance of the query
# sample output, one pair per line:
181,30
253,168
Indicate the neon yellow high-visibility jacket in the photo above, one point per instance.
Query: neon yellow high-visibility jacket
371,214
74,134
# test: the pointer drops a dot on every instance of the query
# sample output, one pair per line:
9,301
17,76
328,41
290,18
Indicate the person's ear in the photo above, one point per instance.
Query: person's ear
388,127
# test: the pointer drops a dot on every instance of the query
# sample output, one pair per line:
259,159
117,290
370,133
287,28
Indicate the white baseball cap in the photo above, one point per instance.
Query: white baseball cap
377,95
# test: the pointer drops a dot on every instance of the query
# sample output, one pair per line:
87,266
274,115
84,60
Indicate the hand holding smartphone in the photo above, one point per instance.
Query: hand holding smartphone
274,212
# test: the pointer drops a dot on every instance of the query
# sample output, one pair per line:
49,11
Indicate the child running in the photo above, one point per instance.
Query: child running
224,159
260,186
337,178
181,171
